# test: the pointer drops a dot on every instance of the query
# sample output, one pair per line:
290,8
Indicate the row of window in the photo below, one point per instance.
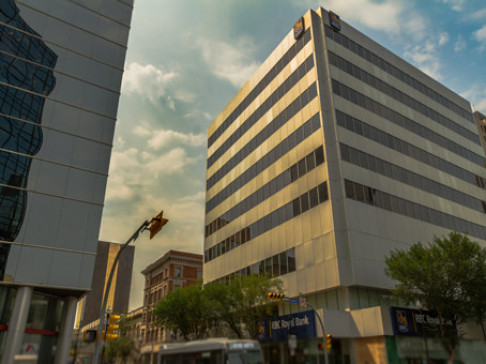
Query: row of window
275,266
32,77
280,120
404,122
401,146
25,46
277,217
264,82
397,173
396,72
288,176
405,99
371,196
286,145
290,82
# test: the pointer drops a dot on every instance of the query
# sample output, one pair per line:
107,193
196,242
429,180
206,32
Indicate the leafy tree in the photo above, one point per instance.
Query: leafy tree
476,289
122,347
185,312
223,300
243,302
239,304
442,276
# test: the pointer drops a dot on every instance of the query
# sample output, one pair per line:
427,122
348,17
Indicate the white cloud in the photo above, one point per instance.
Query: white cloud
480,36
142,131
459,45
425,57
477,96
198,113
480,14
148,81
162,138
383,16
129,170
443,38
231,62
457,5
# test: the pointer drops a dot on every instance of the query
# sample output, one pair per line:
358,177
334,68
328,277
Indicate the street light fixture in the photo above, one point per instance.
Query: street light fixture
151,225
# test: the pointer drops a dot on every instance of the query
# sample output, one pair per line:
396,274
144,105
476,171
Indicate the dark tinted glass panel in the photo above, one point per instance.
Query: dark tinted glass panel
291,260
283,263
294,175
319,155
296,207
304,202
313,197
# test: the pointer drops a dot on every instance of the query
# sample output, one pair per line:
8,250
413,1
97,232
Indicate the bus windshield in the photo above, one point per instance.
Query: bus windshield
245,357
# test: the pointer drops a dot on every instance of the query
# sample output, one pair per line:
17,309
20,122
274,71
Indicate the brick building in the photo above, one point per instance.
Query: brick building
173,270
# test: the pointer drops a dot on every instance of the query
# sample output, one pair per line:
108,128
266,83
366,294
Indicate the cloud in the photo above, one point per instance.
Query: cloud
480,14
459,45
148,81
456,5
480,36
425,57
383,16
129,170
443,38
163,138
476,94
231,62
198,113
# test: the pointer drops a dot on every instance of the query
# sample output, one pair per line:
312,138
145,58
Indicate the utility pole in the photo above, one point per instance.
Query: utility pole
154,226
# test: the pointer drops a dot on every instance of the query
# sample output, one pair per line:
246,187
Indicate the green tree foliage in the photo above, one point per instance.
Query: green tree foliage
239,304
254,305
185,312
446,276
242,303
122,347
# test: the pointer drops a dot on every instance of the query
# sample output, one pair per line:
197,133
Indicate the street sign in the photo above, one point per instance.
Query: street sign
291,300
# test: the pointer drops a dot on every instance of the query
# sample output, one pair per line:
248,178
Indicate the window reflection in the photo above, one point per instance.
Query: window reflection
18,102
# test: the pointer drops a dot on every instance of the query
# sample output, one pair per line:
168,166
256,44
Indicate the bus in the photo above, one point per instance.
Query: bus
211,351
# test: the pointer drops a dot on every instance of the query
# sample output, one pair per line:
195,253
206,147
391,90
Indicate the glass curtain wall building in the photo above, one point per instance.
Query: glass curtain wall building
61,65
334,153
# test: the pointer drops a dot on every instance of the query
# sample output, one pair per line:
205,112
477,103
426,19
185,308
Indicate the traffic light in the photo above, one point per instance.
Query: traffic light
320,346
276,296
156,224
112,326
329,342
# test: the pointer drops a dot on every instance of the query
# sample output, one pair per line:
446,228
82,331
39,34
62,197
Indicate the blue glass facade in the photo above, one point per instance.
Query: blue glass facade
23,85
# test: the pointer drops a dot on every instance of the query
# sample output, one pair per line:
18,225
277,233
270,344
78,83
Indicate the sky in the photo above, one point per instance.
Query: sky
187,59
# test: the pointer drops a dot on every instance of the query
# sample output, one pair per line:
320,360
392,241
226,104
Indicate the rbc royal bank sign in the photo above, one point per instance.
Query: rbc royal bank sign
412,322
301,324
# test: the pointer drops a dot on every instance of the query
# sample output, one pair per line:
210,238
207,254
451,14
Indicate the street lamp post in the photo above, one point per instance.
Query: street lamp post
154,225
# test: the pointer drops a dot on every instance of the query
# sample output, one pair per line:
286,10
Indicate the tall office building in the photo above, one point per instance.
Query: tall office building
334,153
61,64
119,295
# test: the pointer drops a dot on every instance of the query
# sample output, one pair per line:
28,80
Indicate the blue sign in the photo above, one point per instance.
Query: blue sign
335,21
411,322
291,300
301,324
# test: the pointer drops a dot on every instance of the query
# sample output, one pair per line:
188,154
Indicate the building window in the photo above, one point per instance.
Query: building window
178,272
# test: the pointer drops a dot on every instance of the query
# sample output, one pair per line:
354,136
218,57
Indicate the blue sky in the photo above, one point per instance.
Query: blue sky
187,59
